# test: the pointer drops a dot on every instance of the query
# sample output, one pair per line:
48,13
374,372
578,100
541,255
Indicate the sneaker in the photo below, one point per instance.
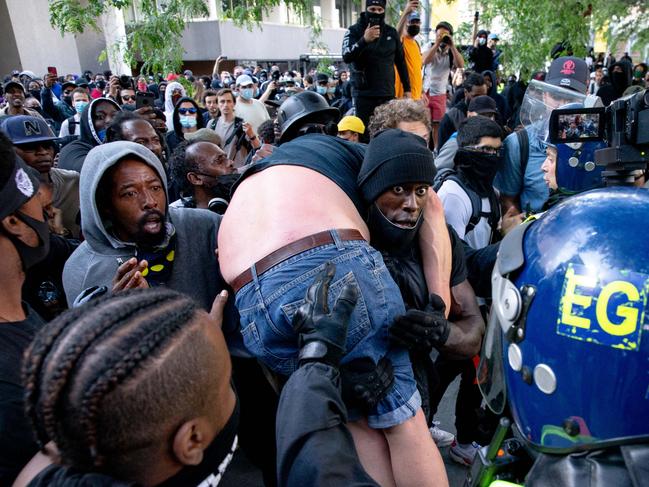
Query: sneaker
464,453
442,438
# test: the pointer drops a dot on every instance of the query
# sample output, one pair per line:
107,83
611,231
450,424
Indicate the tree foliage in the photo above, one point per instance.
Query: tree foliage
533,27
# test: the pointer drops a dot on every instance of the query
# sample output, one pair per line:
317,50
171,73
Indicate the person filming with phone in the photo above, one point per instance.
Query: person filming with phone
372,49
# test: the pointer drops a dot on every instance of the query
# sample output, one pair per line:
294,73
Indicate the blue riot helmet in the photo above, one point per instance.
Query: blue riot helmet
564,344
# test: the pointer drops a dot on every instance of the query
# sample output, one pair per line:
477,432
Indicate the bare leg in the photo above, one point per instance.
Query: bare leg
373,452
435,126
415,458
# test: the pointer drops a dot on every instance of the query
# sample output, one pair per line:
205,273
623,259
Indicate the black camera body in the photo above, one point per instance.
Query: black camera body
446,41
623,125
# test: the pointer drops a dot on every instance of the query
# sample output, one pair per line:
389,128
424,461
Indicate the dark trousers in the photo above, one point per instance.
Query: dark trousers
258,408
365,105
467,405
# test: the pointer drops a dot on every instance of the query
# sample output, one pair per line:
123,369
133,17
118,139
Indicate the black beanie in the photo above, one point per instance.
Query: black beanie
395,157
378,3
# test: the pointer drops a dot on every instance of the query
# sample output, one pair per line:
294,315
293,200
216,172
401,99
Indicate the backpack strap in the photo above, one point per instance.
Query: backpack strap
72,125
524,149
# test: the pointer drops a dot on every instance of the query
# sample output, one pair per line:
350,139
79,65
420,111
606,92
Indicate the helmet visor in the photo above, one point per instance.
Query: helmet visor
491,376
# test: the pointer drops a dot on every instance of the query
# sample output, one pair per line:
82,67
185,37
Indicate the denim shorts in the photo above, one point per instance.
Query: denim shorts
267,305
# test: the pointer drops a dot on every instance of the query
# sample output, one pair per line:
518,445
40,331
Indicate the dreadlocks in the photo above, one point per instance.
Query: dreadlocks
111,380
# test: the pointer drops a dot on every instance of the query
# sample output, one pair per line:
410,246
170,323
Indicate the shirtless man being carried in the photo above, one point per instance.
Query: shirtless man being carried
290,214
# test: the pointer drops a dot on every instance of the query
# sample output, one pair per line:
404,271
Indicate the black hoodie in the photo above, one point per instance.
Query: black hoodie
176,136
372,64
73,154
619,82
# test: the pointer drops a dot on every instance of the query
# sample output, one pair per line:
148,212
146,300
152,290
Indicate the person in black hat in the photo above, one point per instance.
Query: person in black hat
14,93
372,49
24,241
61,109
480,55
481,105
34,143
394,221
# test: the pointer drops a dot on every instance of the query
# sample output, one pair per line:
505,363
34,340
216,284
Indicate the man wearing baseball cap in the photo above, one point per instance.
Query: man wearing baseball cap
34,143
520,182
248,108
24,241
62,109
408,27
351,128
15,96
492,43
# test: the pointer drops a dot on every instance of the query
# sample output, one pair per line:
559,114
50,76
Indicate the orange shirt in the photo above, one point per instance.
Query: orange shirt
413,61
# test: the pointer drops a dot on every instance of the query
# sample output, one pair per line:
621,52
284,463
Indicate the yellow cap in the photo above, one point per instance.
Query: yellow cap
352,123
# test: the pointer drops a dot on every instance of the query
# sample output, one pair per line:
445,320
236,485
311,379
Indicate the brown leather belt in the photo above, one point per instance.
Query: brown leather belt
294,248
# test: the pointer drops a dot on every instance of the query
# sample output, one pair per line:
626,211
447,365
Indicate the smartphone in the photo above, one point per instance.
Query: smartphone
144,99
52,70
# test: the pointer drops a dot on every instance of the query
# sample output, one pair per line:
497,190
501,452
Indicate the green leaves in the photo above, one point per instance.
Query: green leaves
535,26
154,39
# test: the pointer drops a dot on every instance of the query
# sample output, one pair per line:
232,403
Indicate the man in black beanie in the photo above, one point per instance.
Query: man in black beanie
372,49
395,178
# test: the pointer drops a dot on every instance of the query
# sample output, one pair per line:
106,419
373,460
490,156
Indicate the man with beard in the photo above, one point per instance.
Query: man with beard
202,172
373,49
133,239
396,188
130,126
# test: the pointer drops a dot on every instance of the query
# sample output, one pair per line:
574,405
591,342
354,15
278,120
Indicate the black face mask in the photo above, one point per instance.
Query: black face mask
388,236
620,80
413,30
36,94
216,457
374,18
67,99
480,169
30,256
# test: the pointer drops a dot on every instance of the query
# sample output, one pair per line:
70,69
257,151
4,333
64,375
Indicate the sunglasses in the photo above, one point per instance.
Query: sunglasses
128,97
185,111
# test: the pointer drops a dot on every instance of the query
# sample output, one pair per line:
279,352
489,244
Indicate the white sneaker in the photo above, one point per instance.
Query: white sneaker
464,453
442,438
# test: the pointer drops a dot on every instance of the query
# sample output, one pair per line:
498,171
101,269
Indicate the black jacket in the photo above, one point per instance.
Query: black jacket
372,64
481,57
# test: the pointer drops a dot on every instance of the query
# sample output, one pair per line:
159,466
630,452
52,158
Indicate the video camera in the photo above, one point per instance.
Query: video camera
623,126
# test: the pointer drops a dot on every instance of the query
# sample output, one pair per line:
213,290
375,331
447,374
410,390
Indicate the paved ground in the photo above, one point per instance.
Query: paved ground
243,474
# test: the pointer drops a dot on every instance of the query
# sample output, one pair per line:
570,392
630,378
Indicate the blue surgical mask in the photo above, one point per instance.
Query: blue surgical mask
246,93
321,90
187,122
482,41
102,135
80,105
331,90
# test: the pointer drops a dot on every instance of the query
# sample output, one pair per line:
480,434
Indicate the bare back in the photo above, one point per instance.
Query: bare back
277,206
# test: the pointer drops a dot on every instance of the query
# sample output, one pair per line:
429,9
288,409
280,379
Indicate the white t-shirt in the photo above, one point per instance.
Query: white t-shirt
436,74
458,211
254,113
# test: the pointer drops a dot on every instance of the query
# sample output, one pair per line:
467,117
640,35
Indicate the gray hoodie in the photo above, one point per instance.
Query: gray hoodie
94,263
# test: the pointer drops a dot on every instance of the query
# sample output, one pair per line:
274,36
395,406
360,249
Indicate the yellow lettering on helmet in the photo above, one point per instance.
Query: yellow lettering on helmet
629,314
571,298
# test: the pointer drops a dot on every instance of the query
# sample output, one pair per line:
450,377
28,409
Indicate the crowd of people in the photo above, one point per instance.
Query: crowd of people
291,265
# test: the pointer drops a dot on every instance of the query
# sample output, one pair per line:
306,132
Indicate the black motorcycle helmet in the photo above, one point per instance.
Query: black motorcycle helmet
303,108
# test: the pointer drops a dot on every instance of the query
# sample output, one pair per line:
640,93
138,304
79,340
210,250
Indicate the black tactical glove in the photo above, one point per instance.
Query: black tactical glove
323,334
422,330
364,384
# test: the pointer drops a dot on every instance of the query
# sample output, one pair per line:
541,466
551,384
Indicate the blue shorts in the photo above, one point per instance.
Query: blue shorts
267,305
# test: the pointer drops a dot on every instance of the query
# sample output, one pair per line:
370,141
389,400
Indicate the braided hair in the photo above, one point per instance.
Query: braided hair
110,380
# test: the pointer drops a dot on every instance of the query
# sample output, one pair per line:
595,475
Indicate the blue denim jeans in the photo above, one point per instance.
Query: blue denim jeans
267,305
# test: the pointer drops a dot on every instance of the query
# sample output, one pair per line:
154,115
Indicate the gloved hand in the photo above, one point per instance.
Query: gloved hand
364,384
323,334
422,330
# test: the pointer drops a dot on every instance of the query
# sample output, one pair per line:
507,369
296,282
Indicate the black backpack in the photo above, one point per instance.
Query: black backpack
493,216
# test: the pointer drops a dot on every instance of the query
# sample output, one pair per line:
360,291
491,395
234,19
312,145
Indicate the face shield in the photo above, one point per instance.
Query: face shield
539,101
506,325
